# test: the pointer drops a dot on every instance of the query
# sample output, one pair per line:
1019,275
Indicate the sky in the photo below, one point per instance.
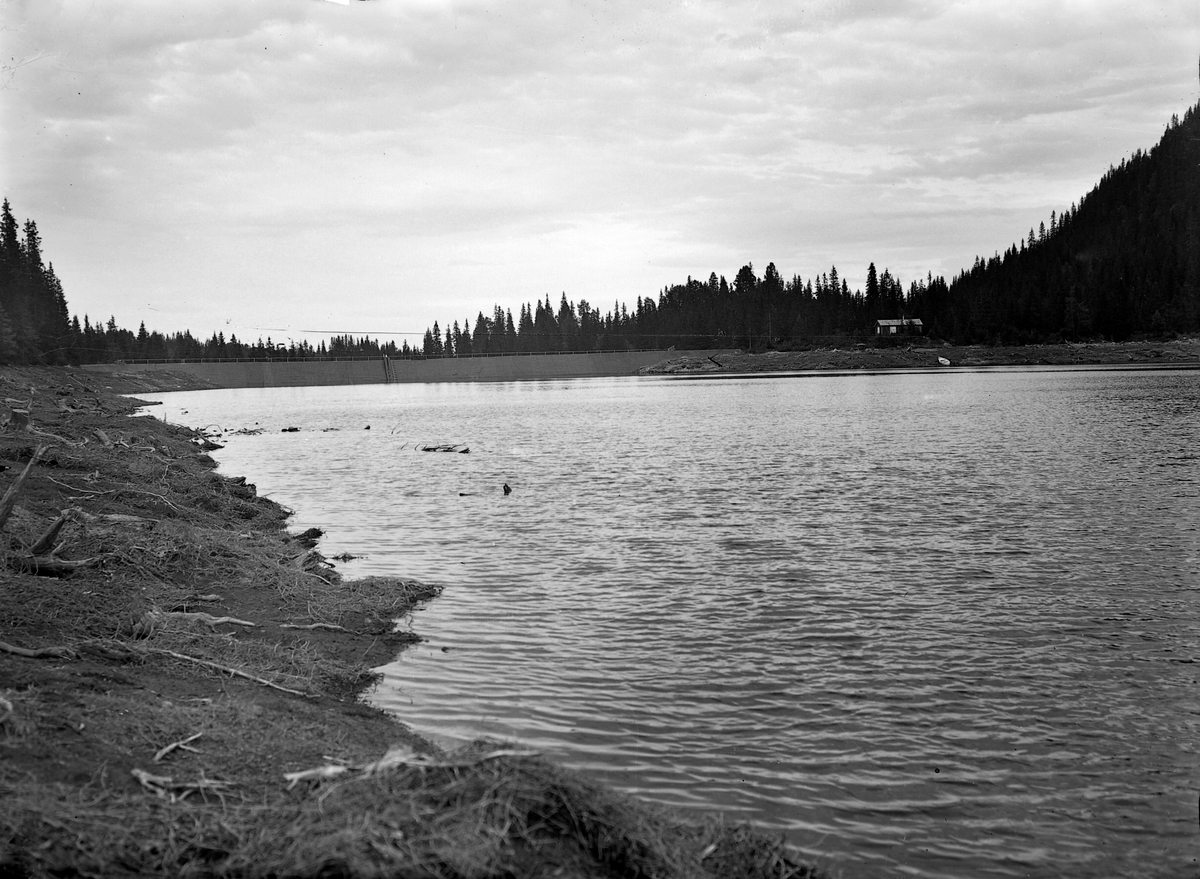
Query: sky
301,168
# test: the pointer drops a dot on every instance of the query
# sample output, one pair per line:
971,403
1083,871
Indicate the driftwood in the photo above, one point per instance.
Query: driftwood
216,666
330,626
46,541
320,773
115,518
49,566
55,436
457,448
36,562
86,491
182,744
10,497
209,620
39,652
176,791
152,494
401,755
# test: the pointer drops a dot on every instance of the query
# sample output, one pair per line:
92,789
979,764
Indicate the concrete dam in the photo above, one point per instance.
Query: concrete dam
385,370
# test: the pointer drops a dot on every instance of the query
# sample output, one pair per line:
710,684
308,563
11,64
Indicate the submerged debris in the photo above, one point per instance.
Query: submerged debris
443,447
309,537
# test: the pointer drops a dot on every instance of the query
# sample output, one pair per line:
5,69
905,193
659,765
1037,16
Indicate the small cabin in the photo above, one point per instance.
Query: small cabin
905,326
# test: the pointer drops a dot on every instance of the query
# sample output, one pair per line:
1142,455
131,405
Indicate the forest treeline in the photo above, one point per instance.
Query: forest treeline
35,326
1124,261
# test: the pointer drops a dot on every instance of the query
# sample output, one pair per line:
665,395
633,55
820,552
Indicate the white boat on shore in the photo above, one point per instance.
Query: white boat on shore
942,361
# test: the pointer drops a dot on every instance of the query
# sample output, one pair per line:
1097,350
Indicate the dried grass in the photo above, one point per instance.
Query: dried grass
468,817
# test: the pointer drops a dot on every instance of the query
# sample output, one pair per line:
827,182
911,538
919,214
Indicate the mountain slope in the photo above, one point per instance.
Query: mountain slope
1125,261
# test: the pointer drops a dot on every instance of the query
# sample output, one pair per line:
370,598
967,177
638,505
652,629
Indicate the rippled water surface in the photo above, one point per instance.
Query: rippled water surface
943,624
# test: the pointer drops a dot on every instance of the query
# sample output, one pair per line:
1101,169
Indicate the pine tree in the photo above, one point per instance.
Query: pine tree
872,294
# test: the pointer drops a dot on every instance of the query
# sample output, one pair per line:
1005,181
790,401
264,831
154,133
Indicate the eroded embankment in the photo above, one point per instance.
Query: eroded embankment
178,683
927,354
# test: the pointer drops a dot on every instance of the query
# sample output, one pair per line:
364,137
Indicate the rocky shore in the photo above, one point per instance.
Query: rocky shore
179,682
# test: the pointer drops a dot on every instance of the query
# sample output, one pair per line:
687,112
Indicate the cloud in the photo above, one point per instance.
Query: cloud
428,159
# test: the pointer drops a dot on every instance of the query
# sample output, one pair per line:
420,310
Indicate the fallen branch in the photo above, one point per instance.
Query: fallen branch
197,616
396,757
55,436
227,669
182,744
48,566
103,437
165,787
108,650
320,773
113,518
84,490
38,652
401,755
10,497
330,626
46,541
152,494
118,517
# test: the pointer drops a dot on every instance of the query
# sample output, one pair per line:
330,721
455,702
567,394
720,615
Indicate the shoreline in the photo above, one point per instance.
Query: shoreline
922,354
180,682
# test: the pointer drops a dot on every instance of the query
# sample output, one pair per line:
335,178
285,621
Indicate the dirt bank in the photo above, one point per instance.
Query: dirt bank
921,354
178,683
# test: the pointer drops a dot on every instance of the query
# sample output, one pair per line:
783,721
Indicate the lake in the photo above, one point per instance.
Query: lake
940,623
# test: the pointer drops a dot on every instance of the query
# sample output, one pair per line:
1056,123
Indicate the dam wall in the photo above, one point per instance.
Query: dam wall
383,370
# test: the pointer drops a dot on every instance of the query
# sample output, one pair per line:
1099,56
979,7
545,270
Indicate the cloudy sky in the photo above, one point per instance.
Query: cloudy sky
294,168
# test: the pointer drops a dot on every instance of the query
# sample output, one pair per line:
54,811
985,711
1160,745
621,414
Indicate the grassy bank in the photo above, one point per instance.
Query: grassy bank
179,681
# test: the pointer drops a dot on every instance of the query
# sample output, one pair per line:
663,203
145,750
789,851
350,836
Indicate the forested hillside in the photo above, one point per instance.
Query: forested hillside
1125,261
